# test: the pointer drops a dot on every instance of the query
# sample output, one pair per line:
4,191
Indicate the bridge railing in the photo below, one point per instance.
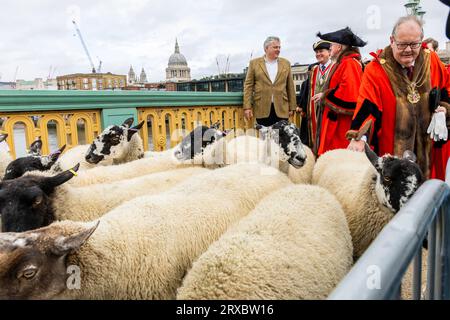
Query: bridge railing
77,117
378,273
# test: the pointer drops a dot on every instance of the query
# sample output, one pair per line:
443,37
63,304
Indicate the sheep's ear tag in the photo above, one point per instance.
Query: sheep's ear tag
73,172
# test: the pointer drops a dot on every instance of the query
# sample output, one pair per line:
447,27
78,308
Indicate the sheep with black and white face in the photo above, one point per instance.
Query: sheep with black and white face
371,189
117,144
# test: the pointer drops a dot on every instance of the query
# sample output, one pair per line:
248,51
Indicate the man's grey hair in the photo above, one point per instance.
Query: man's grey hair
403,20
269,40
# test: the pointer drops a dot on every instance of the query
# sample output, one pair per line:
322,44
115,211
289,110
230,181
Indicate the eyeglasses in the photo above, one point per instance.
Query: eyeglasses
403,46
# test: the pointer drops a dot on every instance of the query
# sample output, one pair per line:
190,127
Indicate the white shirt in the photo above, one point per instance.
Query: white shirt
272,69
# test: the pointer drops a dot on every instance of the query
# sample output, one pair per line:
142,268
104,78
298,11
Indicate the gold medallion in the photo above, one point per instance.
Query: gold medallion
321,81
413,96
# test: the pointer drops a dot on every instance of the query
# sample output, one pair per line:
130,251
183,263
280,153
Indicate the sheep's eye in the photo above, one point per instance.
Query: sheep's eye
387,180
37,201
29,273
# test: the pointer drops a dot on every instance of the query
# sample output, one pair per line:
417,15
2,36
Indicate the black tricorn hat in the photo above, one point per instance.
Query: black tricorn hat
321,44
343,36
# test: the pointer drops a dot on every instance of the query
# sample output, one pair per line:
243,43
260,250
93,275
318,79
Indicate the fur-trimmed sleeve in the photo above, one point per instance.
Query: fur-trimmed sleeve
369,106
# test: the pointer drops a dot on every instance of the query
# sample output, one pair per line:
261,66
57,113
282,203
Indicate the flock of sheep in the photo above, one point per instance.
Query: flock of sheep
220,217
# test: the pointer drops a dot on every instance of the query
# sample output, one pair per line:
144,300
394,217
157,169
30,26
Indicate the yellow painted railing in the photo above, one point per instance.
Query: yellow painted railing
35,124
167,115
163,123
169,121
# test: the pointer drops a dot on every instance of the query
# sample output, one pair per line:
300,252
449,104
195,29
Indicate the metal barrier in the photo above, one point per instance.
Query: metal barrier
378,273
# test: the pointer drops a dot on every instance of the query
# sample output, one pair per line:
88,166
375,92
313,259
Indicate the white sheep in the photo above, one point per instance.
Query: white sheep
294,245
55,200
143,248
108,174
370,189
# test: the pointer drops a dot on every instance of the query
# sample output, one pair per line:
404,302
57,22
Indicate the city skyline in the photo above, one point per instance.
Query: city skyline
142,33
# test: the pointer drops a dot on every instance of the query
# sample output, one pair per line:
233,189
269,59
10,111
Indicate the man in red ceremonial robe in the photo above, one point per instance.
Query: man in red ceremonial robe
341,92
393,111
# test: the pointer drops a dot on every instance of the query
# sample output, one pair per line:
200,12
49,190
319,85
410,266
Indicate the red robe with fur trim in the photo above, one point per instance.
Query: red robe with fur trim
340,103
440,154
377,106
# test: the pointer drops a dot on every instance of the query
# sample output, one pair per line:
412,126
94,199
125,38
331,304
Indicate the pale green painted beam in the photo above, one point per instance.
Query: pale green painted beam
17,101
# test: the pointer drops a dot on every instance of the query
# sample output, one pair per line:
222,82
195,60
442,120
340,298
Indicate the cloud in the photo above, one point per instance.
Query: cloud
39,34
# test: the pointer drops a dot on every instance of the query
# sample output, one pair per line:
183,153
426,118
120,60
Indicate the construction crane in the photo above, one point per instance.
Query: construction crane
84,45
15,74
50,72
99,69
53,72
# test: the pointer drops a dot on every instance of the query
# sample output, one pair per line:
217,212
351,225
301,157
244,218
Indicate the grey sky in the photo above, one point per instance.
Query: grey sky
38,34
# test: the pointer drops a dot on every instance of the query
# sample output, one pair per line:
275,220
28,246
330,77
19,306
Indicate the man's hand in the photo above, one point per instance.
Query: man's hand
248,114
356,145
317,97
291,113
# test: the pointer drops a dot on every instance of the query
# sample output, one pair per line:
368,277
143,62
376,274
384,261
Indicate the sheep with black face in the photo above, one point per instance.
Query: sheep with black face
33,162
37,199
371,189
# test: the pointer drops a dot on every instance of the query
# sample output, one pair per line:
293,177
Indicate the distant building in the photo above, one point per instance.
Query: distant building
7,85
235,82
222,83
155,86
36,84
177,69
131,76
51,84
92,81
300,74
445,54
143,77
